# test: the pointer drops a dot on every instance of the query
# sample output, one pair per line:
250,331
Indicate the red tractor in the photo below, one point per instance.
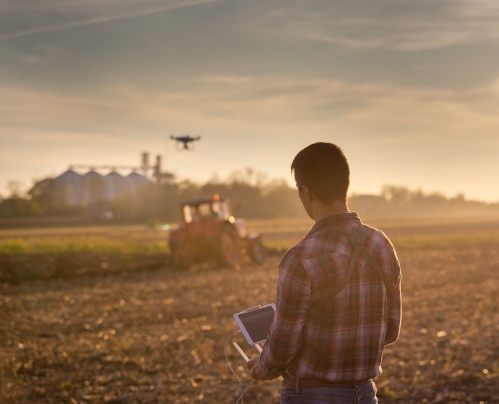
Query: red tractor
210,232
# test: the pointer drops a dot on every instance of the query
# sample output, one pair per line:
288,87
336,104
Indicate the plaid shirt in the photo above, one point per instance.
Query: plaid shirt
342,338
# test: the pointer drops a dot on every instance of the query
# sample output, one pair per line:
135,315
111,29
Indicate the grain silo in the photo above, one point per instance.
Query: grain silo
69,188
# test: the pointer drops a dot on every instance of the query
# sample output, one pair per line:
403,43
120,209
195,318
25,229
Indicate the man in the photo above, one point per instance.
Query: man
338,294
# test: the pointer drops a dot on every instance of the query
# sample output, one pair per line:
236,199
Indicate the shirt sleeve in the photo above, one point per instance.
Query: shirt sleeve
394,296
293,301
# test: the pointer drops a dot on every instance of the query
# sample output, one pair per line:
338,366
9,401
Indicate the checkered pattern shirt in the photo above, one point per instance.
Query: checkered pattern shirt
342,337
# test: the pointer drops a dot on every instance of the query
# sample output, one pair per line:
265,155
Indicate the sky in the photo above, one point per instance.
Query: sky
409,89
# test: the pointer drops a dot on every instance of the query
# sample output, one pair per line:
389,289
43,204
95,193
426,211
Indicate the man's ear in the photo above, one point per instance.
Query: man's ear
307,194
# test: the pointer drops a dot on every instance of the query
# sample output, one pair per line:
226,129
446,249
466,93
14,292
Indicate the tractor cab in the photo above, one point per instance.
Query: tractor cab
207,209
207,214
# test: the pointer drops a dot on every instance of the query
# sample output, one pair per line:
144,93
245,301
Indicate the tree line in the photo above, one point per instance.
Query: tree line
250,193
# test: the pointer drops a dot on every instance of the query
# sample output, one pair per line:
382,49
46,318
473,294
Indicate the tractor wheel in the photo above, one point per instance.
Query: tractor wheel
229,246
258,252
180,254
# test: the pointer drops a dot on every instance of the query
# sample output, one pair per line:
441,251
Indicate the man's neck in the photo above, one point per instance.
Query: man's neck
322,210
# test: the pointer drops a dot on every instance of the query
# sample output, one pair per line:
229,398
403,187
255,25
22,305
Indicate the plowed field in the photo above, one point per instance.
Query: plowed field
135,330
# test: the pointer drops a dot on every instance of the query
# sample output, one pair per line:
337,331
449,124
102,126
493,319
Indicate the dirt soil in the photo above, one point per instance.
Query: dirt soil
135,330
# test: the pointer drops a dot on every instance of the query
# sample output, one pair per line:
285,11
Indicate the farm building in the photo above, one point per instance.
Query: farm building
77,189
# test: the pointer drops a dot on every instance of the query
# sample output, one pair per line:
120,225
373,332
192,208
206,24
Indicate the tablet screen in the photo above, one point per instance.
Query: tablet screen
255,323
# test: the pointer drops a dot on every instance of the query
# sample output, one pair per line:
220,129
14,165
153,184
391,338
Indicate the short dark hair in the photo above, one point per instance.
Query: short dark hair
323,169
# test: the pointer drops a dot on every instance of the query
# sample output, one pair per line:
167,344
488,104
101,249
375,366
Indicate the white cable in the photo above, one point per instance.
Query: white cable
240,399
227,362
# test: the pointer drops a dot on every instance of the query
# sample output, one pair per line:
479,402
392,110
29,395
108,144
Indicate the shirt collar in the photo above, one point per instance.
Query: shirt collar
334,220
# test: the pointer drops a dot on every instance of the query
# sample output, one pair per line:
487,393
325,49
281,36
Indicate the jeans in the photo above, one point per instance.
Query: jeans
363,393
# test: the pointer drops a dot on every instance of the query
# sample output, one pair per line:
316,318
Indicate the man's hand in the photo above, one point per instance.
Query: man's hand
257,372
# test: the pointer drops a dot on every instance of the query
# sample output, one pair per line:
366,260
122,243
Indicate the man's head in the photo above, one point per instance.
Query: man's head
323,169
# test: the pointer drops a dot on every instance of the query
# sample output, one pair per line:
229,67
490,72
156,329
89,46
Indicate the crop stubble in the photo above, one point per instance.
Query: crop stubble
157,335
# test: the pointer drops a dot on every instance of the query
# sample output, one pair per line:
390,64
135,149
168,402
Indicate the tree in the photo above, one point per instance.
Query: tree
19,207
280,201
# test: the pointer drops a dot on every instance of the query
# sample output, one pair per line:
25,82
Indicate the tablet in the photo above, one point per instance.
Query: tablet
255,322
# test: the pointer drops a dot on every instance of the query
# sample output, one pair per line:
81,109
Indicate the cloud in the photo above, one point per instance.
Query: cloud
495,87
99,19
250,103
389,24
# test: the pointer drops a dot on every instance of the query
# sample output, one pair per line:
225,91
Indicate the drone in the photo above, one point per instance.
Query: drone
184,141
